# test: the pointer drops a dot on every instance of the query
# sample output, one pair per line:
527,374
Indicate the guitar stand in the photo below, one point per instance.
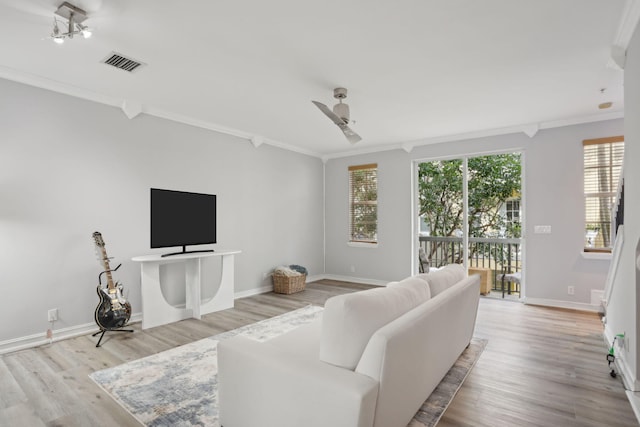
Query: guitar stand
104,331
107,271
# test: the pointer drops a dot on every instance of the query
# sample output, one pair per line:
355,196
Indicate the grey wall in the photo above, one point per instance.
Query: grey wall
390,260
69,167
553,191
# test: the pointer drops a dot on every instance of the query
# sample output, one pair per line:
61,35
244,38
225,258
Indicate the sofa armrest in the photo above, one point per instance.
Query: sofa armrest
260,384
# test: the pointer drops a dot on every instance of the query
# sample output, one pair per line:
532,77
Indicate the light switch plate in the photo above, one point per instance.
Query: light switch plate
542,229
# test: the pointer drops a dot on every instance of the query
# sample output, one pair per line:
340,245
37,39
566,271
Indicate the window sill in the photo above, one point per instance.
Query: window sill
597,255
362,245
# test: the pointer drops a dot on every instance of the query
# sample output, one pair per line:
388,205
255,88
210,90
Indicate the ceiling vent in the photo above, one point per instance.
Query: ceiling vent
122,62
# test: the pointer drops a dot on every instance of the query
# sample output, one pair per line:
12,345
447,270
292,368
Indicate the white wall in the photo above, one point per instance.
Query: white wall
69,167
553,180
622,310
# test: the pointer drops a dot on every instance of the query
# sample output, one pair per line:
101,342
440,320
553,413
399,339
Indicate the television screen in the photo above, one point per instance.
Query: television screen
180,218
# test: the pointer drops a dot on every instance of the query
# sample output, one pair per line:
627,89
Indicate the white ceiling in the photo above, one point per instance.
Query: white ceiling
417,71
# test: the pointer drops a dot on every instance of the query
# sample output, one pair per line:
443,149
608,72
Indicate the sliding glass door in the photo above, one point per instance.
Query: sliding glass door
470,212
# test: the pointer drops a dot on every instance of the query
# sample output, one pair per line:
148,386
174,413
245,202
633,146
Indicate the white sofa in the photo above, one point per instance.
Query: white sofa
372,359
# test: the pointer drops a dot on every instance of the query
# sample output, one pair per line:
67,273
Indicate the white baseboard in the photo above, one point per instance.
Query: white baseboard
251,292
622,366
563,304
634,400
353,279
37,340
631,384
269,288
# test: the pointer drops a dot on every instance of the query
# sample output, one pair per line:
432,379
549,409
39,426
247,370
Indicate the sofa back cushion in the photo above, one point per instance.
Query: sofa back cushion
417,284
444,278
349,320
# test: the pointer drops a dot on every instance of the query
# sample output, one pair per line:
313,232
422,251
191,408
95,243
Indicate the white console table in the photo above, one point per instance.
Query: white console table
155,308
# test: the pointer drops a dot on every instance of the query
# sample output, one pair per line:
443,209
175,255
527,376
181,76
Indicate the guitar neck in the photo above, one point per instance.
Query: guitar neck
107,268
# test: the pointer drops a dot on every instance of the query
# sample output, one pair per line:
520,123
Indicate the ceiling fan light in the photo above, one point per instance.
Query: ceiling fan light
58,39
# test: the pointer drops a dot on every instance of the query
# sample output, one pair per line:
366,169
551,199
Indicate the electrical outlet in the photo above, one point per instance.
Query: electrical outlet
621,341
353,268
571,290
265,276
52,315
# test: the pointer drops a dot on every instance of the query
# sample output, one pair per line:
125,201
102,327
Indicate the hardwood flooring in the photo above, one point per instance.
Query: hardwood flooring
541,367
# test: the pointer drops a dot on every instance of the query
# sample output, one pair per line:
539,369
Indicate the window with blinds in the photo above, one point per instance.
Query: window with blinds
363,203
602,167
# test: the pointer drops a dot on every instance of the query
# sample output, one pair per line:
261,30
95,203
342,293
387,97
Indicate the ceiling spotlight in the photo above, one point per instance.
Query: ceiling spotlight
56,36
75,17
85,31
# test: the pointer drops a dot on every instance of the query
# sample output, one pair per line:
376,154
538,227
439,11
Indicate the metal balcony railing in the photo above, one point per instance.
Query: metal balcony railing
499,255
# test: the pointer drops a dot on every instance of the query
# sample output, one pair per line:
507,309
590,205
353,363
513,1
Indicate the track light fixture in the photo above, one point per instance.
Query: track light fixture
75,17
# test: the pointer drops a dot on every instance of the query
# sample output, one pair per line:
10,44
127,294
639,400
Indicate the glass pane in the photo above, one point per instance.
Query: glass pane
494,215
363,208
602,167
441,211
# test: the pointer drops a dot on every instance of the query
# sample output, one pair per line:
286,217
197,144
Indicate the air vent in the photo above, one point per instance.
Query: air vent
122,62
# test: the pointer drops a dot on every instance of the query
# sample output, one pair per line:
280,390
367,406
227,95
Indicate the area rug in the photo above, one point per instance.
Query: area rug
433,408
178,387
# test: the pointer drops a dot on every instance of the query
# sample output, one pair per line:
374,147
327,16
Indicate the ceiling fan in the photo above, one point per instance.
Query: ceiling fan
340,114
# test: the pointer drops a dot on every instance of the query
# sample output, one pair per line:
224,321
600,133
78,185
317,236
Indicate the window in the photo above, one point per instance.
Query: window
602,167
363,203
512,213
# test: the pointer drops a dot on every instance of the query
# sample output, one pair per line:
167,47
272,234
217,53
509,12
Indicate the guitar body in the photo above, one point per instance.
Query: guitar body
113,311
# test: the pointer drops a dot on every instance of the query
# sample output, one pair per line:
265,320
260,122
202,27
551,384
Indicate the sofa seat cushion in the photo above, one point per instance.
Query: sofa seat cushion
349,320
443,278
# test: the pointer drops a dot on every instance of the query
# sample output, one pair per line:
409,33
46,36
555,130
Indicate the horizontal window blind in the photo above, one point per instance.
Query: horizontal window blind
603,160
363,203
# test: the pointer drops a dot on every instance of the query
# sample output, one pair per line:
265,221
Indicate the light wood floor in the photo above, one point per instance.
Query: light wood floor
541,367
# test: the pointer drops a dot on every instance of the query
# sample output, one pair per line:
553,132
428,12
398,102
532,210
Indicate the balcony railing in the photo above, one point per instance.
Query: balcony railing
499,255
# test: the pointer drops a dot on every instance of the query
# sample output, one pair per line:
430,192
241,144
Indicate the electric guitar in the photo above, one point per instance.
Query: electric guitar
113,311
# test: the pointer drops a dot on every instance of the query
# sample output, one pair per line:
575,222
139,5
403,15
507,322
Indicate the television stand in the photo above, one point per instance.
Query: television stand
185,251
157,311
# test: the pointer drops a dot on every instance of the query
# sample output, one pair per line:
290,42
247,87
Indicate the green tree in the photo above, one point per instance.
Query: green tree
492,180
440,196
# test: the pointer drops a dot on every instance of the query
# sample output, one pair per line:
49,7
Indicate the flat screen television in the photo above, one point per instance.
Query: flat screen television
180,218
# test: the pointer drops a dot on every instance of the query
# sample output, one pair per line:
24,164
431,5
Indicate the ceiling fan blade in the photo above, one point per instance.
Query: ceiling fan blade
327,111
351,135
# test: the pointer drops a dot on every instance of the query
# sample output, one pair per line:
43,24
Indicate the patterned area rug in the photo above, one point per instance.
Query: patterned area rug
178,387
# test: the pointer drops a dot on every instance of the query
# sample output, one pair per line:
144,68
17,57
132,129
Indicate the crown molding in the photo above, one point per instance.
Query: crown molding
132,109
627,26
628,23
258,140
530,129
56,86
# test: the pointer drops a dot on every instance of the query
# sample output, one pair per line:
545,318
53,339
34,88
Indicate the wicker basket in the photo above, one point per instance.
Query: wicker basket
288,284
